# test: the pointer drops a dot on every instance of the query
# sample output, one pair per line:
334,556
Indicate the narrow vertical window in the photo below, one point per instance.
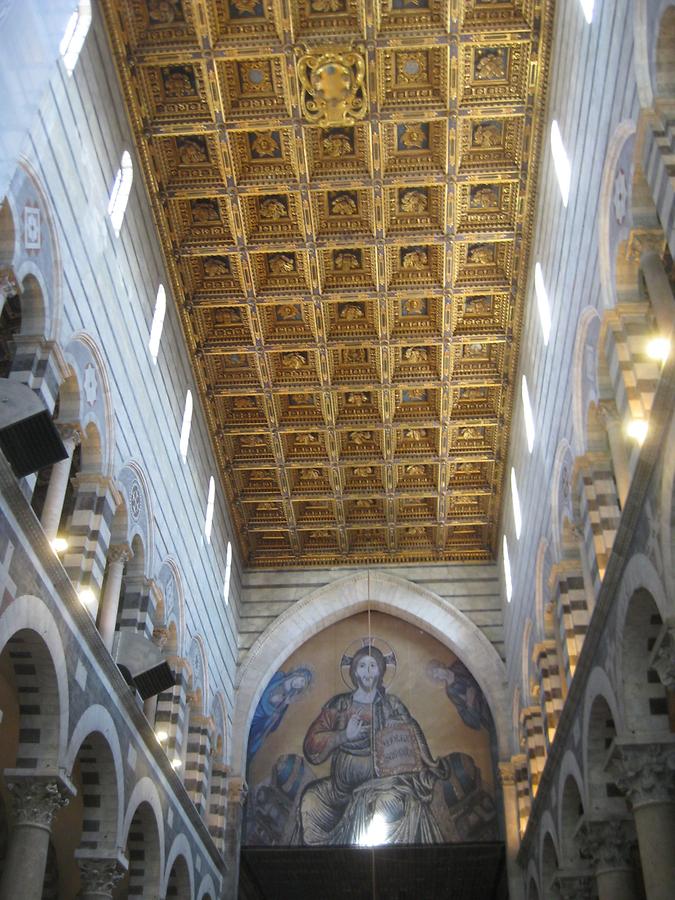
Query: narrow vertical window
587,6
119,196
507,570
561,162
543,304
228,573
74,35
185,427
515,500
210,504
527,414
157,323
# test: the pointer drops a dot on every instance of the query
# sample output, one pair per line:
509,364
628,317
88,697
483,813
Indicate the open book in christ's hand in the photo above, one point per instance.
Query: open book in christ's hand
397,751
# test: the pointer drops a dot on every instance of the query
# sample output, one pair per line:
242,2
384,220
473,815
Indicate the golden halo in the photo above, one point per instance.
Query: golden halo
381,645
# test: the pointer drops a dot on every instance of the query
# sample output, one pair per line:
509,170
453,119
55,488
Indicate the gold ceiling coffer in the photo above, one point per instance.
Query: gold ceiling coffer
332,85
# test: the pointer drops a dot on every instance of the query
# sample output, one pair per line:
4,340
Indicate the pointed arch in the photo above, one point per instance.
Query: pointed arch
610,231
83,354
197,660
584,373
171,583
345,597
136,519
48,257
561,494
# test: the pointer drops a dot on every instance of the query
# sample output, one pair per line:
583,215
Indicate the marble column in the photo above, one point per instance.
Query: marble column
58,483
159,638
607,845
617,450
99,876
659,291
645,772
237,792
107,612
36,800
507,779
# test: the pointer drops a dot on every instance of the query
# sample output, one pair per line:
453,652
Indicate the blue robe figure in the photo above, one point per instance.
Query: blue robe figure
463,692
282,690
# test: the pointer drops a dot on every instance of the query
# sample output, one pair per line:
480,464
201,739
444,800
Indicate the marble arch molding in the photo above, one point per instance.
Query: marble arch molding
344,598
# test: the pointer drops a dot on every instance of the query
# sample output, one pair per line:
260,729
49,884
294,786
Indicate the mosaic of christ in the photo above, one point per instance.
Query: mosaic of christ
371,733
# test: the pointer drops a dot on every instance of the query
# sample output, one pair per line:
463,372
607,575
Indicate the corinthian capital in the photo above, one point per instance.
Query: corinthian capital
121,553
101,875
507,774
70,433
664,661
609,414
37,799
607,843
573,885
237,791
645,772
8,286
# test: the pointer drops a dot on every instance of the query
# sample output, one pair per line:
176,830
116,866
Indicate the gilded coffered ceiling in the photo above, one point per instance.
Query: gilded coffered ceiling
345,190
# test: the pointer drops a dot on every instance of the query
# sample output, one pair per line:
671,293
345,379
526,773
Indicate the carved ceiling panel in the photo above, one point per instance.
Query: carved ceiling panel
344,190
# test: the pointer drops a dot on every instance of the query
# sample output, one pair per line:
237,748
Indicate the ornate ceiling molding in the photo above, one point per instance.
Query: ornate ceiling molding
345,195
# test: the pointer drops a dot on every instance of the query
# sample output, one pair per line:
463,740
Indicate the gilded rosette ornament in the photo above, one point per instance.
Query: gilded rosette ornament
332,86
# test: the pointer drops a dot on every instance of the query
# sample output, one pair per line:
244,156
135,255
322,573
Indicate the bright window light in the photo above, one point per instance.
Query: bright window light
210,504
73,38
543,304
561,162
157,323
119,196
515,499
658,349
527,414
185,427
507,570
637,430
228,573
375,832
587,6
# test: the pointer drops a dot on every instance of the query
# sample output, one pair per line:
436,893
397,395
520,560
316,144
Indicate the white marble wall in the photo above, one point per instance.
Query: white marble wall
592,90
108,287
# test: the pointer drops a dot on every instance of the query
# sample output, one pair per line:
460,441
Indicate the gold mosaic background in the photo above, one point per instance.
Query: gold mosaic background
351,293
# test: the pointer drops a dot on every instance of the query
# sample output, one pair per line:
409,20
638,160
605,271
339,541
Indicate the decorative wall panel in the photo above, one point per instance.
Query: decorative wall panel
371,733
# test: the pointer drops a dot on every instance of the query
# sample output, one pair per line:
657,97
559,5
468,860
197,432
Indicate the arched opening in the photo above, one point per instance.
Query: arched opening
549,868
95,776
129,607
33,308
10,325
30,738
30,725
7,235
532,890
142,851
179,880
54,505
570,815
644,696
665,57
603,795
